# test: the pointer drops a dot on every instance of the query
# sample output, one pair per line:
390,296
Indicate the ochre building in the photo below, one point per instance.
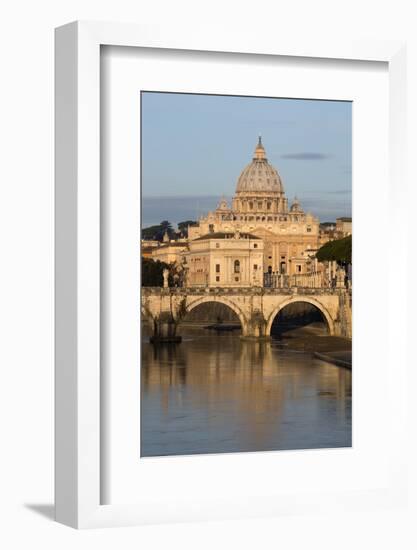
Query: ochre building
225,259
260,208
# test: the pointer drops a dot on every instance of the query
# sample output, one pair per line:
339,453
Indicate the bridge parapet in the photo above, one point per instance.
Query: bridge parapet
231,291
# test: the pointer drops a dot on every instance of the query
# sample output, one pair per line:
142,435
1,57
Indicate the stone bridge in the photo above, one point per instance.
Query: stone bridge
256,307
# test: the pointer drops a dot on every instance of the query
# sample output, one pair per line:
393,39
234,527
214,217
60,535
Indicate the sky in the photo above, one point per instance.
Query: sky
194,148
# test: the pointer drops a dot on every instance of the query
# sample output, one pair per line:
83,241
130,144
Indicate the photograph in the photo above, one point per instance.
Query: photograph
246,274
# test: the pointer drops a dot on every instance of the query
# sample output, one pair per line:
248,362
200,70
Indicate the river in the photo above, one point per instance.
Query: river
216,393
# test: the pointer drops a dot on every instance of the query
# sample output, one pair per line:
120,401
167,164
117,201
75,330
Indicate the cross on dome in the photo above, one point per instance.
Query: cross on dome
260,151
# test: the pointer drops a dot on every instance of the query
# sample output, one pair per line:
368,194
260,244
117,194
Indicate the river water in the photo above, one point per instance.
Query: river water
215,393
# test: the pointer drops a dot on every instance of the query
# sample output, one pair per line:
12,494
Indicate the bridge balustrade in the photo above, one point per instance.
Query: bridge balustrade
253,291
314,279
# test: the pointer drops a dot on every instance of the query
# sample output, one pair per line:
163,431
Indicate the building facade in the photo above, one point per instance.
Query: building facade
344,226
224,259
169,252
147,246
260,208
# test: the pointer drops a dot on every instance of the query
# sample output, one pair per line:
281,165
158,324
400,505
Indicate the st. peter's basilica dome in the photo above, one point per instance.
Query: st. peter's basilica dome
259,175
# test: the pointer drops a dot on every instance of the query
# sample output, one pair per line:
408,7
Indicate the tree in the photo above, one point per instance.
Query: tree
166,225
152,272
183,227
339,250
157,232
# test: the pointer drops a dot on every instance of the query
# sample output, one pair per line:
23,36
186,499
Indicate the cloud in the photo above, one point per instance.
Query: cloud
305,156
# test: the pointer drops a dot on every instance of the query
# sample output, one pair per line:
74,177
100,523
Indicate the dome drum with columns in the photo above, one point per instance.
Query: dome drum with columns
260,207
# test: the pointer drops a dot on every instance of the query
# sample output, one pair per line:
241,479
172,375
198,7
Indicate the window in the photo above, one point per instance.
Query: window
237,279
217,268
268,204
299,268
308,229
255,245
259,205
255,266
217,279
250,205
217,245
237,266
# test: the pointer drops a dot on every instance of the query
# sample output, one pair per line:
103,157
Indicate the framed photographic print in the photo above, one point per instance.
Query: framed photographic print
218,311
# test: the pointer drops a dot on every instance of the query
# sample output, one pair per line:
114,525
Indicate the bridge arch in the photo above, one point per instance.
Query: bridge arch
220,300
323,310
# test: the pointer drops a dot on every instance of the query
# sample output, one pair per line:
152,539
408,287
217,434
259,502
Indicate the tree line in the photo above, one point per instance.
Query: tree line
157,232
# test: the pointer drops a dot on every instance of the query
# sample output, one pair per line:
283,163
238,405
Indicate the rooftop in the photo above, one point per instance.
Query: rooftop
228,235
172,244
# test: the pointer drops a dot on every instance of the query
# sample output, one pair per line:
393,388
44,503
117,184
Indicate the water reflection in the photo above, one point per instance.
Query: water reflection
214,393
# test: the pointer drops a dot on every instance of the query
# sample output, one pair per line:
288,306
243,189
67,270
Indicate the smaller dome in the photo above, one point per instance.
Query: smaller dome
223,205
295,207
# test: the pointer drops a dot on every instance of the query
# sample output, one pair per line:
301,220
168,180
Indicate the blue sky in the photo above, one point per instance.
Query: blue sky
196,146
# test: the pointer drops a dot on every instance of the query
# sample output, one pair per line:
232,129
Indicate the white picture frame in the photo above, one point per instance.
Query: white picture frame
78,259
